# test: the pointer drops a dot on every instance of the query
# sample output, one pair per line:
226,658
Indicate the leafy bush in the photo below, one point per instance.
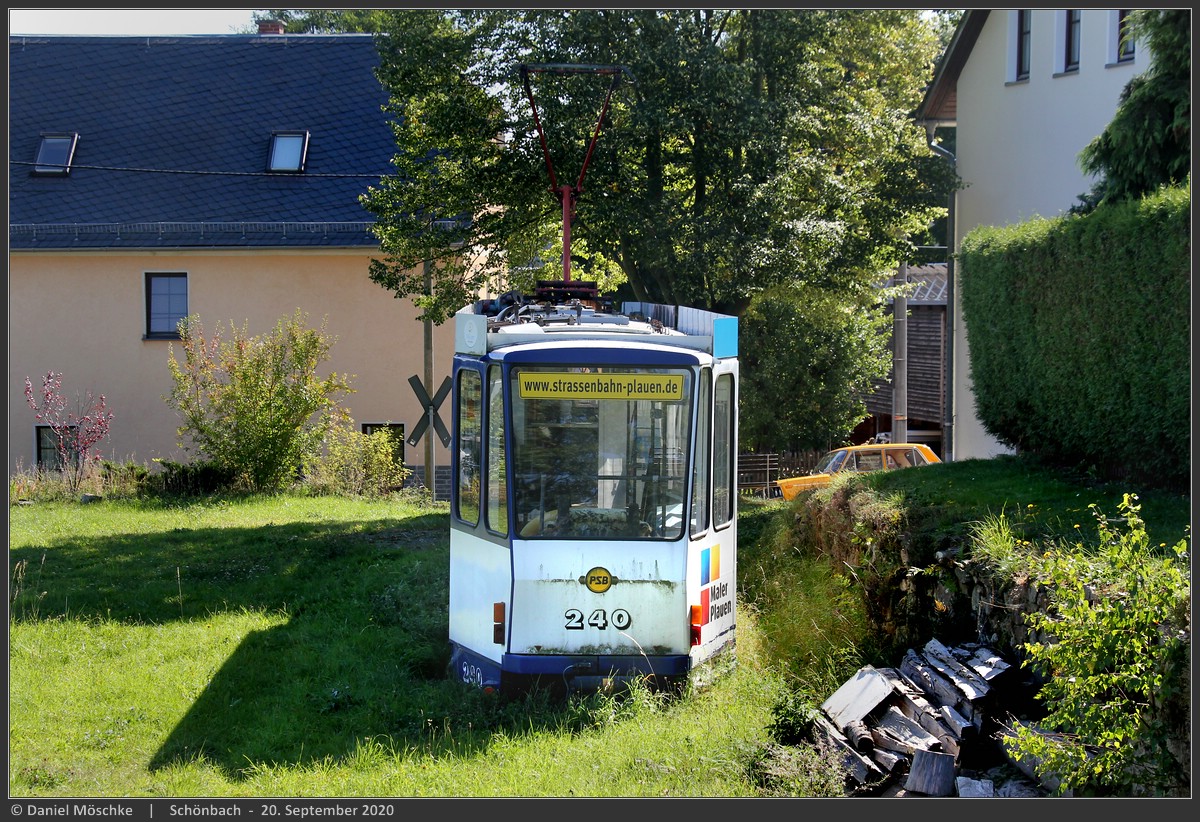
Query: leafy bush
798,762
255,406
357,464
802,771
793,718
128,479
1119,635
195,478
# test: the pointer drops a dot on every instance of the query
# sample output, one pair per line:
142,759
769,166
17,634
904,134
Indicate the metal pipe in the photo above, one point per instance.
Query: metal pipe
900,359
430,467
952,244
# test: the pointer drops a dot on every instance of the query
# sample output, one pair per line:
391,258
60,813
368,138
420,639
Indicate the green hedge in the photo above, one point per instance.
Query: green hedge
1079,333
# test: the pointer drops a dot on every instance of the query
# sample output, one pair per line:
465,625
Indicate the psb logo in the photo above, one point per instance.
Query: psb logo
598,580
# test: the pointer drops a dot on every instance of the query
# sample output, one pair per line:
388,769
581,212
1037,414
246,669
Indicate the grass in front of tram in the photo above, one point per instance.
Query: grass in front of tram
297,646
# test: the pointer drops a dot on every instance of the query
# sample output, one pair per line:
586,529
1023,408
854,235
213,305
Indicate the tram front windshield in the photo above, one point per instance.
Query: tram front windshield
600,452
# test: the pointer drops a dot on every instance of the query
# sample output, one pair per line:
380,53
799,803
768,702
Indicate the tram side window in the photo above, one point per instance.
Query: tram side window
723,494
469,427
700,473
497,486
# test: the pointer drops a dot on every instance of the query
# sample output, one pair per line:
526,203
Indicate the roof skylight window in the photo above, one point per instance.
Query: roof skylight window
289,150
55,153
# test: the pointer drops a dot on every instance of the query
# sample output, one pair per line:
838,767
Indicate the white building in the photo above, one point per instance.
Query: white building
1027,90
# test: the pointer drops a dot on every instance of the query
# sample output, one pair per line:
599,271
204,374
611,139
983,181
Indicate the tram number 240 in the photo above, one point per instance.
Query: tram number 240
599,618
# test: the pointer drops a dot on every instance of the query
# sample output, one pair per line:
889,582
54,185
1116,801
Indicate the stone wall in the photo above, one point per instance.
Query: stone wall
978,606
997,608
918,586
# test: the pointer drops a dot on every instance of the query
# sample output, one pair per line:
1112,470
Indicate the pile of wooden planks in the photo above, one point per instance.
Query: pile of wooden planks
912,722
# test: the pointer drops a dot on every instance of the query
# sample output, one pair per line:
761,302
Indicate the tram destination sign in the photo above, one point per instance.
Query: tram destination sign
549,385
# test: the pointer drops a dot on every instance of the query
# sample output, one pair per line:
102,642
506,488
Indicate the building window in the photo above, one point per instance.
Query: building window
1024,29
166,305
1020,26
1120,39
289,150
396,429
54,155
49,458
1124,37
1071,40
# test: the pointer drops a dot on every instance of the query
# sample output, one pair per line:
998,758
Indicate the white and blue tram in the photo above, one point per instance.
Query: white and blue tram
594,503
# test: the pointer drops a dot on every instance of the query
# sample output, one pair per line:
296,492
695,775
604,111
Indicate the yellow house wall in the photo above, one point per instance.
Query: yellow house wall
83,314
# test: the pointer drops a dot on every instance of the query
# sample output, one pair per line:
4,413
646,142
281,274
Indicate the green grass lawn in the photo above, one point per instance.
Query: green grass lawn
296,646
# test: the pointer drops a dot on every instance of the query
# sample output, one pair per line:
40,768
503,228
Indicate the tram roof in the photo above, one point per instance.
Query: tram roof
637,324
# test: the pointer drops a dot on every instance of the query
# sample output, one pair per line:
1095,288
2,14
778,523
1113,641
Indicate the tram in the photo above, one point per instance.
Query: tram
594,502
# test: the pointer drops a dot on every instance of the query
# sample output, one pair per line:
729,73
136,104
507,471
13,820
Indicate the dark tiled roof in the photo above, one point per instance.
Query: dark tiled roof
174,134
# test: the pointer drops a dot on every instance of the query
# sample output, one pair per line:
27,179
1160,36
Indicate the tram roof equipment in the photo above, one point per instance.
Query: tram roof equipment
513,319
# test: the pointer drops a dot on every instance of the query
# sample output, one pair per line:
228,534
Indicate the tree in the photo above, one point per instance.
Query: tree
1148,142
752,148
945,22
326,21
797,335
255,406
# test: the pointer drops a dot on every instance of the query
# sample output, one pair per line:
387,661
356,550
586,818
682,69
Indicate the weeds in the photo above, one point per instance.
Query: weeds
807,770
108,481
30,601
380,477
1119,631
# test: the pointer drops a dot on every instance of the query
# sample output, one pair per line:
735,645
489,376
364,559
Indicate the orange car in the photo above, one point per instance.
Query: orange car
879,457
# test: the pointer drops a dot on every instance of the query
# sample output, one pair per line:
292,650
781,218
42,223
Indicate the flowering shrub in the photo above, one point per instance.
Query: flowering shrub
76,432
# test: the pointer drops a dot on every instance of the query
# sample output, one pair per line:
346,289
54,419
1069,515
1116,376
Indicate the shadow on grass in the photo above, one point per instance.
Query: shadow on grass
362,654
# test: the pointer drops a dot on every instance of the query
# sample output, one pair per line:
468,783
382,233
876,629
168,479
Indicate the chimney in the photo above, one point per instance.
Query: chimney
270,27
